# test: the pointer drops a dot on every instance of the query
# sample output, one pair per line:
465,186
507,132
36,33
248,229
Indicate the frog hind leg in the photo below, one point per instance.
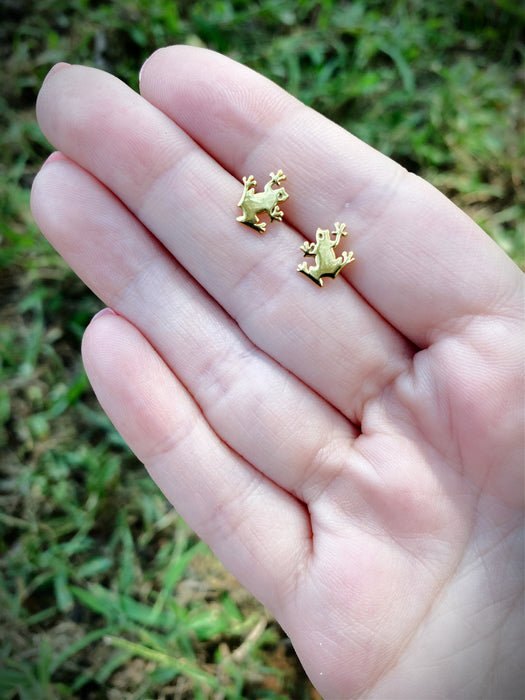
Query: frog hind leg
305,270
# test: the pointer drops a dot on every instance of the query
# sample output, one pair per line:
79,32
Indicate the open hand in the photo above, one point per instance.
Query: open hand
353,454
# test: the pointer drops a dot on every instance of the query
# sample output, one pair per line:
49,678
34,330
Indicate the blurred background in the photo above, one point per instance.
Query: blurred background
104,591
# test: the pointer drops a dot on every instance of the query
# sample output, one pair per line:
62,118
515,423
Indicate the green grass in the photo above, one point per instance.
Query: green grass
104,591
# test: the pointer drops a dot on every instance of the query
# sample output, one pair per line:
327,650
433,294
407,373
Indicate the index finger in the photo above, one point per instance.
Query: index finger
421,258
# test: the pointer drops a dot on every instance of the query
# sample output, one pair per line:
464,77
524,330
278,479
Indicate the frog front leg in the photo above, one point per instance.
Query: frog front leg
276,213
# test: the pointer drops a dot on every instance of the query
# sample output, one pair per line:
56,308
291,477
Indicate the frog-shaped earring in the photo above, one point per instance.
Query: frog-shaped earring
253,203
326,264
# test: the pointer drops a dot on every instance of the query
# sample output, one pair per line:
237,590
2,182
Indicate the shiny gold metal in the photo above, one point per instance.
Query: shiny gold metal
253,203
326,264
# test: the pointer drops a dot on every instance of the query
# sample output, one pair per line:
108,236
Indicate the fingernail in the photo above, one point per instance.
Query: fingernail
142,68
56,68
56,155
141,71
104,312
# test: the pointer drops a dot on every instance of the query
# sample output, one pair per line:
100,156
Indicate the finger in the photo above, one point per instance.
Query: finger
420,258
262,411
188,202
252,525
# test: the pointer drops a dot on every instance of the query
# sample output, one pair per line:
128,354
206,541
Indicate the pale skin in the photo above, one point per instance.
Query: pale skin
353,454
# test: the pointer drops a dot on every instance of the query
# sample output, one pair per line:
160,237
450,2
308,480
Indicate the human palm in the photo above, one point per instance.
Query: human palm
352,453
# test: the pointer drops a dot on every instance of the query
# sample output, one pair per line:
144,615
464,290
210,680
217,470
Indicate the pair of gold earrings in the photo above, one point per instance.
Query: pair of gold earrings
254,203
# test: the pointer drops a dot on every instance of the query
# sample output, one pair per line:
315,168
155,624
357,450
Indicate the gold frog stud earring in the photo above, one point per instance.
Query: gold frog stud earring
326,263
253,203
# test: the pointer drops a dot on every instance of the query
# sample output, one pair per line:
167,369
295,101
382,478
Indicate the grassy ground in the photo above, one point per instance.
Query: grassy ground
104,591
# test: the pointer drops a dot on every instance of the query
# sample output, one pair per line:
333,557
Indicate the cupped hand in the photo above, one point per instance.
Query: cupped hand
352,453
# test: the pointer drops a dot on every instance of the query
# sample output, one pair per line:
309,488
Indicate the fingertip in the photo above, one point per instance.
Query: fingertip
151,59
143,67
103,314
99,340
55,69
106,311
185,52
39,200
43,88
55,156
